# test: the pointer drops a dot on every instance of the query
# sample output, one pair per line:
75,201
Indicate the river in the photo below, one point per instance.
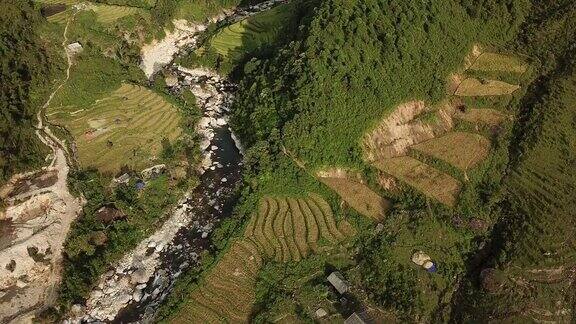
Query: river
134,289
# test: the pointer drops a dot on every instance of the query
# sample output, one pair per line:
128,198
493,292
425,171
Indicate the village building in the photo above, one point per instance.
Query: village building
355,318
74,48
338,281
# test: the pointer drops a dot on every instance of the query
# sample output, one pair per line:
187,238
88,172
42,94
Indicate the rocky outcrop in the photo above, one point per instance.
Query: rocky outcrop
406,126
160,53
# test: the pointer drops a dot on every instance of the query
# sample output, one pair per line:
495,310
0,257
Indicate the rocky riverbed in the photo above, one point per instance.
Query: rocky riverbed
132,291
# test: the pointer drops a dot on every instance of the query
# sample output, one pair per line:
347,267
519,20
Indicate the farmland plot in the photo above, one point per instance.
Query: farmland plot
359,196
486,116
124,128
289,229
426,179
499,62
472,87
460,149
107,14
227,293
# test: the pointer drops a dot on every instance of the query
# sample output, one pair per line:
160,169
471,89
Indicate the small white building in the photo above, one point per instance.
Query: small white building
74,48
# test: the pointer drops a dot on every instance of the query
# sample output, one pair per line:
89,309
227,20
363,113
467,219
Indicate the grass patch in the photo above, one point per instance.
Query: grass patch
107,14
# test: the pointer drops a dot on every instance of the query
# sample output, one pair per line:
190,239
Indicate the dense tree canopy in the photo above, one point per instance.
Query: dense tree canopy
25,65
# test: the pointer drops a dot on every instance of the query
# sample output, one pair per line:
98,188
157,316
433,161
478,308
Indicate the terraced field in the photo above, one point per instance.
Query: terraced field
472,87
227,292
486,116
358,196
499,62
107,14
405,129
460,149
284,229
61,17
426,179
66,2
289,229
124,128
248,35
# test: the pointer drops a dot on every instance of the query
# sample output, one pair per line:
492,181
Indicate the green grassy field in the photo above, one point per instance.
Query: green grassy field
200,10
124,128
107,14
66,2
252,36
248,35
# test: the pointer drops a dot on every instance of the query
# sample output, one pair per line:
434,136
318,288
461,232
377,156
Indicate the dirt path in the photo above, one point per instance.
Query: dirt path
30,265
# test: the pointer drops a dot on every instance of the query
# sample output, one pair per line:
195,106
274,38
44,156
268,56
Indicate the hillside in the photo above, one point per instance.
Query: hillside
28,63
249,161
526,274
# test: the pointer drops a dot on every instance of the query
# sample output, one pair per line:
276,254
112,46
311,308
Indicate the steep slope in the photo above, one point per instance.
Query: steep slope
527,273
28,64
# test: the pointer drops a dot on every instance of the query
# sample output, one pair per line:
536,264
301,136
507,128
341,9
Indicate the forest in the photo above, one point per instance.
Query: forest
28,65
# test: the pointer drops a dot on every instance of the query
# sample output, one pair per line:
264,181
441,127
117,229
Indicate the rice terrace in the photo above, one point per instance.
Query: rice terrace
285,229
123,128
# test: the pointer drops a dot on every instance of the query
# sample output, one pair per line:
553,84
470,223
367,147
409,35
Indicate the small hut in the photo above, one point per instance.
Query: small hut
355,318
337,280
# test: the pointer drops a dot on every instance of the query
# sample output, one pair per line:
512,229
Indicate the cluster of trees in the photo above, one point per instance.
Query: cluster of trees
93,244
27,67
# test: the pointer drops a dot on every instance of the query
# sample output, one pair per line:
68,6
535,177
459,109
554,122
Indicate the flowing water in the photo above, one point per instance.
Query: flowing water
133,291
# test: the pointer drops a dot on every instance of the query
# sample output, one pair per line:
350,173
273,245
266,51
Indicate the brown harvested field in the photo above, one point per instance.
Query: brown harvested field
228,291
358,196
472,87
300,230
460,149
486,116
424,178
278,225
499,62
